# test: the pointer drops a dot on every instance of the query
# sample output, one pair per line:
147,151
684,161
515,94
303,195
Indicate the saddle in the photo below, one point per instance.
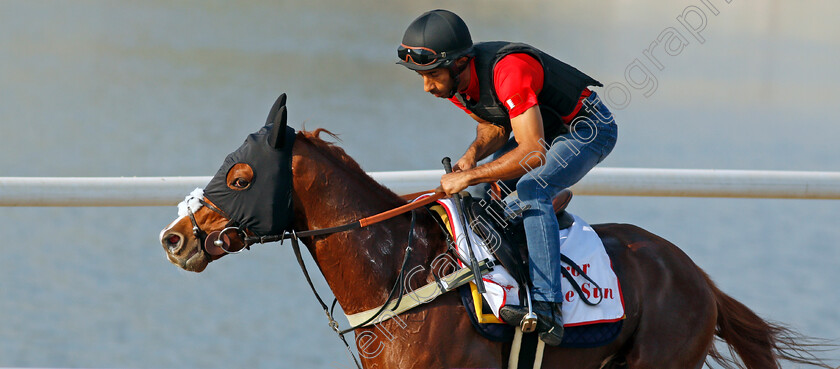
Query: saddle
505,229
512,252
503,235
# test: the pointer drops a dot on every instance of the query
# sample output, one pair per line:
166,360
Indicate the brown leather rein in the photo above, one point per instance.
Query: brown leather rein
364,222
220,242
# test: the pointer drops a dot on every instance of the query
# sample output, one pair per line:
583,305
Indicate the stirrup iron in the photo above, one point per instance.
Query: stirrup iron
529,321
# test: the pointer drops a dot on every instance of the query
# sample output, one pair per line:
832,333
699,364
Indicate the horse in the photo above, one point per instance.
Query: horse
674,311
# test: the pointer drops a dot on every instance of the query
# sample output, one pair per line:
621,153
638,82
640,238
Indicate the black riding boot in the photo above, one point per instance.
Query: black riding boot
549,319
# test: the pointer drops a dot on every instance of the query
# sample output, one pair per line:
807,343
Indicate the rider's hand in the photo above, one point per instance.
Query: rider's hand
464,163
454,182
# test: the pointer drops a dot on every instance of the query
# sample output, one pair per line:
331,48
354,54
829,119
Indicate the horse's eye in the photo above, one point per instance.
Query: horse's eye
239,177
241,183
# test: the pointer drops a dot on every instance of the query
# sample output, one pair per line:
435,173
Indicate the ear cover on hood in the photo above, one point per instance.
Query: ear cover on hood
265,207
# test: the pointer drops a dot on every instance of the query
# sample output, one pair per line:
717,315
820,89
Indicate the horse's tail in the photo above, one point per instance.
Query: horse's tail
759,344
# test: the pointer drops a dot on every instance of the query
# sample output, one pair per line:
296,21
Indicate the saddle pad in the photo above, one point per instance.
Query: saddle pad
579,243
579,336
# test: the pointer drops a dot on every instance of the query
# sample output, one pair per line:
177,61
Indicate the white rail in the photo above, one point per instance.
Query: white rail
165,191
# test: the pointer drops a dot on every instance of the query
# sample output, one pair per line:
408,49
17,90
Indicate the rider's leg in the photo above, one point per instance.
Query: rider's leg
567,160
566,163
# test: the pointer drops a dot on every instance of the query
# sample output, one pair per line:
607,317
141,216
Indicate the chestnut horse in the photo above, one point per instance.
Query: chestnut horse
673,310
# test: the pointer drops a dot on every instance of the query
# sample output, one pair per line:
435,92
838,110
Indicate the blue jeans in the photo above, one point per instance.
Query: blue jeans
569,157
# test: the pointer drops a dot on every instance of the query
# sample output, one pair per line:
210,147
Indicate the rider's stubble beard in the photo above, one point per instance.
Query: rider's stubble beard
451,85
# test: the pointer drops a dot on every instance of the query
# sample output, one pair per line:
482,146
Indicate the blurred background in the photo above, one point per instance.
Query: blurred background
161,88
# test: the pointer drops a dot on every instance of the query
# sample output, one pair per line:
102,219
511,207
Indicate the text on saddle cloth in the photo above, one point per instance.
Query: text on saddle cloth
581,244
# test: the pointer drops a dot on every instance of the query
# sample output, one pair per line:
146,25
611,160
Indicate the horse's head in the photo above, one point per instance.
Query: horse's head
250,195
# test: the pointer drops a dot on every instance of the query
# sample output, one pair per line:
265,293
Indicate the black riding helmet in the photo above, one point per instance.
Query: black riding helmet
435,39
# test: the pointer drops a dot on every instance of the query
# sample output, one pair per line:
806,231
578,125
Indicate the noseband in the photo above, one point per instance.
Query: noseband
214,244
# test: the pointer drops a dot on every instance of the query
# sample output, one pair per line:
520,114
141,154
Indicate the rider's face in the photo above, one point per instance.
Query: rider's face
437,81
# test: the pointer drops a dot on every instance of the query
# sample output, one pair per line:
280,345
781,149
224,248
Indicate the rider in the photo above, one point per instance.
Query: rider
560,127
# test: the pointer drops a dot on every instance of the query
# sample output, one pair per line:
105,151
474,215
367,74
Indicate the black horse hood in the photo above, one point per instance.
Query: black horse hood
265,206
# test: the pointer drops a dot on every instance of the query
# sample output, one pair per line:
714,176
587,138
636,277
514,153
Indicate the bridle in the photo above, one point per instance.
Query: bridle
218,247
248,241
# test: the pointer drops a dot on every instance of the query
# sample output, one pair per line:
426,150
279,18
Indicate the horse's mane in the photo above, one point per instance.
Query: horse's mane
339,156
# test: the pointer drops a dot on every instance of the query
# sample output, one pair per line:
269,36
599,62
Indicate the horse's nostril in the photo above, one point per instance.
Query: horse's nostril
172,242
173,239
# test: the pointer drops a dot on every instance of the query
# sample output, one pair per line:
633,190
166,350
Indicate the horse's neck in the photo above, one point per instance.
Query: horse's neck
360,265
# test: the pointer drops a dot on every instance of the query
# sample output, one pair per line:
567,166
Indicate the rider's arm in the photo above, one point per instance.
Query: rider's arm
489,138
527,130
518,80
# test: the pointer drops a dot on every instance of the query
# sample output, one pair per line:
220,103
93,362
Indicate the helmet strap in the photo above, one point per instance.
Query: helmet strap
455,73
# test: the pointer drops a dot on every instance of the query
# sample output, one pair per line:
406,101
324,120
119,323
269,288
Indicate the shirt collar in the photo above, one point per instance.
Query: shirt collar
472,90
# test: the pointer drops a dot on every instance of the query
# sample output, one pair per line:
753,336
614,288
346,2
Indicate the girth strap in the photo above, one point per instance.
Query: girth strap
419,296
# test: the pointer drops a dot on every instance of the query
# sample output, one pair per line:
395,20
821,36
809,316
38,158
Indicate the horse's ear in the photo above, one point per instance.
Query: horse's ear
281,101
278,132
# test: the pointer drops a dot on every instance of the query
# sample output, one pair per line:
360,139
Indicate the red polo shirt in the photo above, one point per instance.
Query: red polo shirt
518,79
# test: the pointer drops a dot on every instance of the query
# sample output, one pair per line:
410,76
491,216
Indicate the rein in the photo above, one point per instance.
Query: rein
364,222
251,240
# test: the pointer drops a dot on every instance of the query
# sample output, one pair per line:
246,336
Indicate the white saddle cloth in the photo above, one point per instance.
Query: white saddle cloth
579,243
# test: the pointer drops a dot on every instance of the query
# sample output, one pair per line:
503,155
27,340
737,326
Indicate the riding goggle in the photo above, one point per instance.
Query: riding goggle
418,55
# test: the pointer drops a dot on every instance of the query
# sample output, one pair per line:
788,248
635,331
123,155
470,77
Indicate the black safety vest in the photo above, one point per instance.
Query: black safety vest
562,87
